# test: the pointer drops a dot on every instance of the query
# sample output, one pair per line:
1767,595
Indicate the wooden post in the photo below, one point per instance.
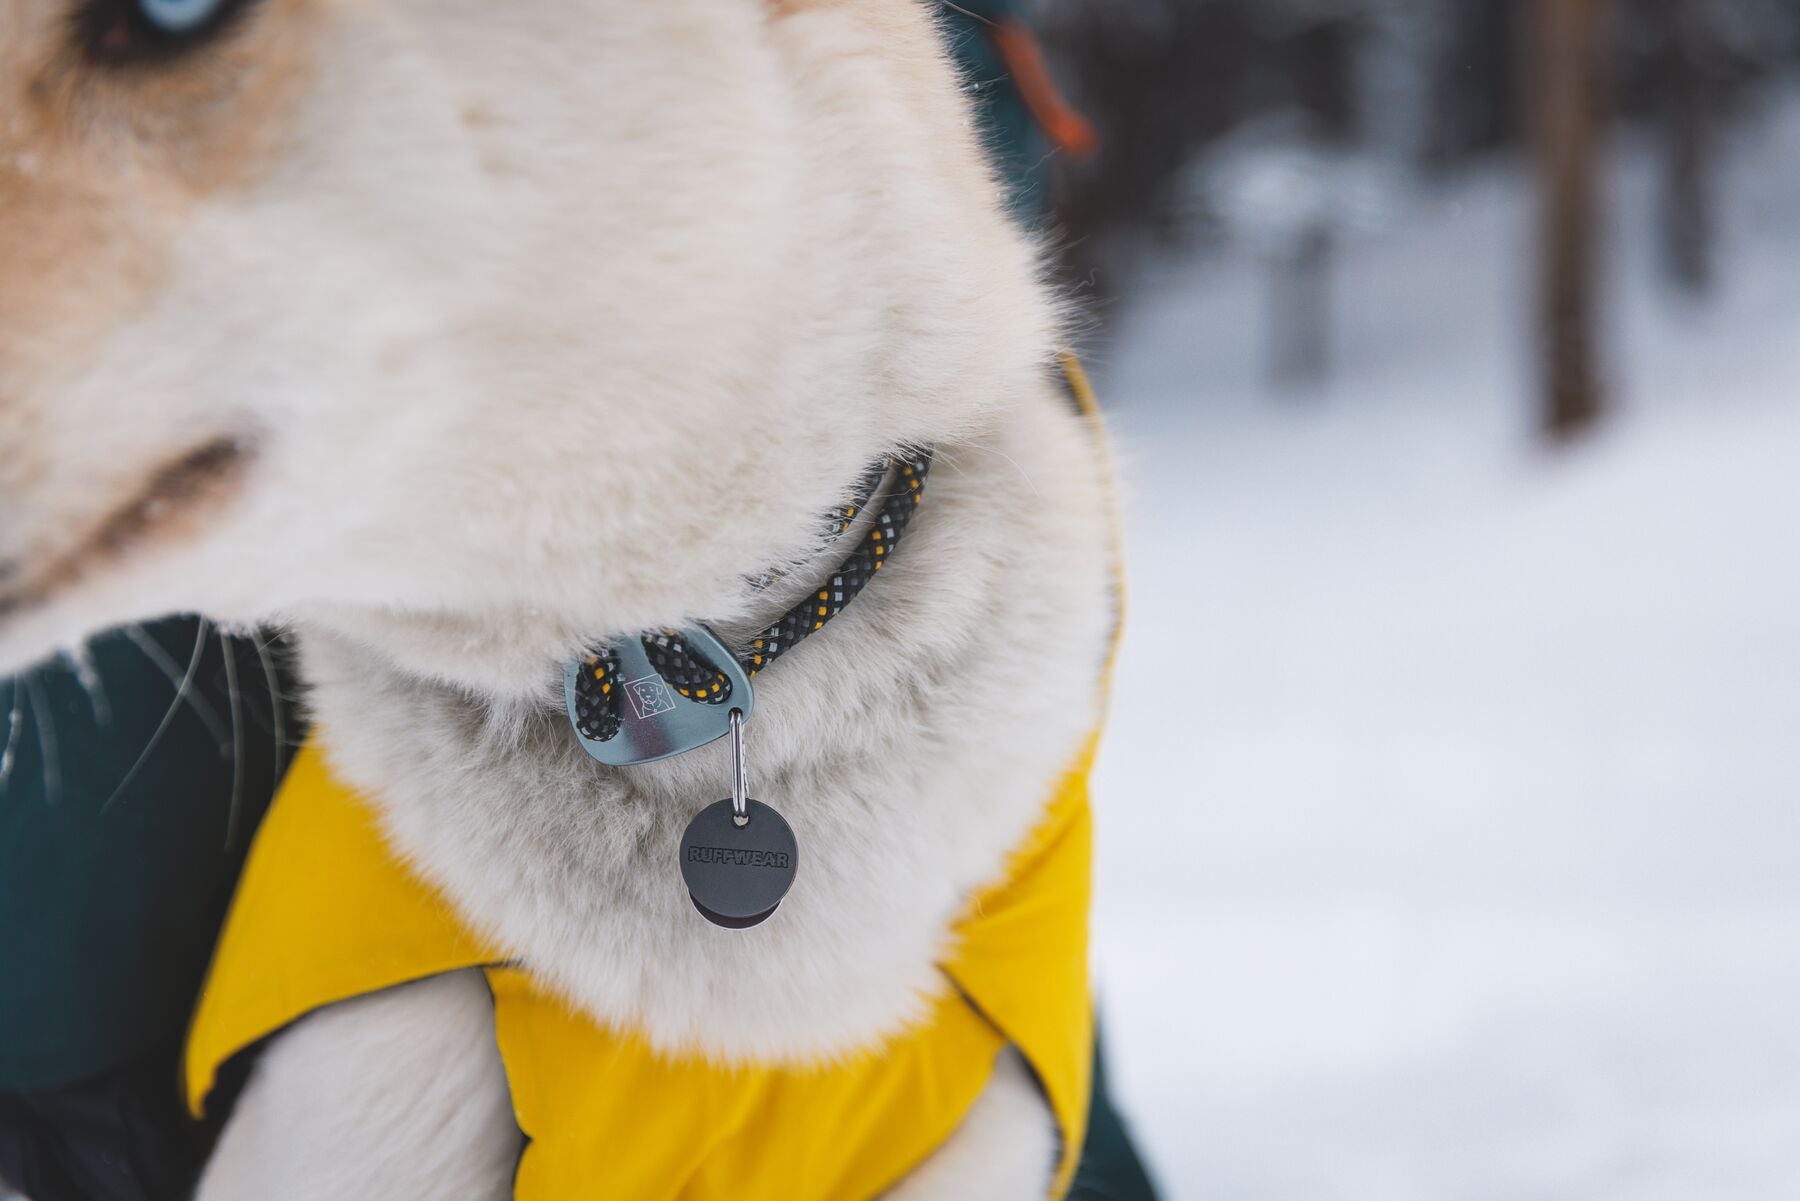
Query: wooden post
1567,49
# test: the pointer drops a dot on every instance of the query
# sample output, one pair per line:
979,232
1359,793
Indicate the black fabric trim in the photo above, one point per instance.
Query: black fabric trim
525,1139
119,1136
1110,1168
1062,1136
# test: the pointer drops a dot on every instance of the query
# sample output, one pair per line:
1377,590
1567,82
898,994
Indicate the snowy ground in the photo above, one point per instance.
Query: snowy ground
1451,804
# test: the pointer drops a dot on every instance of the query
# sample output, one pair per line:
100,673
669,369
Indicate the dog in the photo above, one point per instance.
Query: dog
460,338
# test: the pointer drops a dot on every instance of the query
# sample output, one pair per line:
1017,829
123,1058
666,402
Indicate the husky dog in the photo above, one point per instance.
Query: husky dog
462,336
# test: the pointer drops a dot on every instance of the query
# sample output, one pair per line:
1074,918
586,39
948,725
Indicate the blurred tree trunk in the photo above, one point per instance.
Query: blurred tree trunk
1687,218
1566,44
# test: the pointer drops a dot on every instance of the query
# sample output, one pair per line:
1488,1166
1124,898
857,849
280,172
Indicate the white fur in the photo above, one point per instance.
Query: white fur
396,1095
556,321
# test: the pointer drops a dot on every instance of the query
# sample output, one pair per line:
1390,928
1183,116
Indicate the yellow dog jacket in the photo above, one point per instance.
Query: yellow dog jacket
325,911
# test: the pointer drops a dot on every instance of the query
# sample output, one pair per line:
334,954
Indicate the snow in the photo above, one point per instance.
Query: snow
1450,808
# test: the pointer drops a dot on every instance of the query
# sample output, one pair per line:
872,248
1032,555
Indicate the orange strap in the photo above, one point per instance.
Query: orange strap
1067,129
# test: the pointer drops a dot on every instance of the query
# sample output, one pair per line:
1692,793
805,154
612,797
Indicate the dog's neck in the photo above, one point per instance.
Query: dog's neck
511,662
911,744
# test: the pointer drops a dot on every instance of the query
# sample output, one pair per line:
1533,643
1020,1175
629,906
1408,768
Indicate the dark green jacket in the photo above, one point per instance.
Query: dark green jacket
114,872
124,816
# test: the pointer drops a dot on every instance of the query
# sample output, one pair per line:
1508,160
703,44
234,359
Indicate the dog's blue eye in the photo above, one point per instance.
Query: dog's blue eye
179,16
118,33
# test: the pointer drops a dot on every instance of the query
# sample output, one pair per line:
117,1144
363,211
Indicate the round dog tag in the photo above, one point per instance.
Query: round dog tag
737,874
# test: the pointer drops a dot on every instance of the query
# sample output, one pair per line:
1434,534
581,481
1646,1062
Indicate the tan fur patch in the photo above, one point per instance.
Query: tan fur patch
98,164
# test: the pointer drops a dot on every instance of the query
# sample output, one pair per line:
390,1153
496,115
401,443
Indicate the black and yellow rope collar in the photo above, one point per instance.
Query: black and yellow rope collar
684,661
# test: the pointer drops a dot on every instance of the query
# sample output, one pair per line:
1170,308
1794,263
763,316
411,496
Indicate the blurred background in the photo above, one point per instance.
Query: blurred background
1449,824
1450,808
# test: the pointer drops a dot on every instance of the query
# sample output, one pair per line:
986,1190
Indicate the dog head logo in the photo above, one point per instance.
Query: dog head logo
650,696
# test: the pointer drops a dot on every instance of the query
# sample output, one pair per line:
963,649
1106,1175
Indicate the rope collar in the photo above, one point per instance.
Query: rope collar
668,691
